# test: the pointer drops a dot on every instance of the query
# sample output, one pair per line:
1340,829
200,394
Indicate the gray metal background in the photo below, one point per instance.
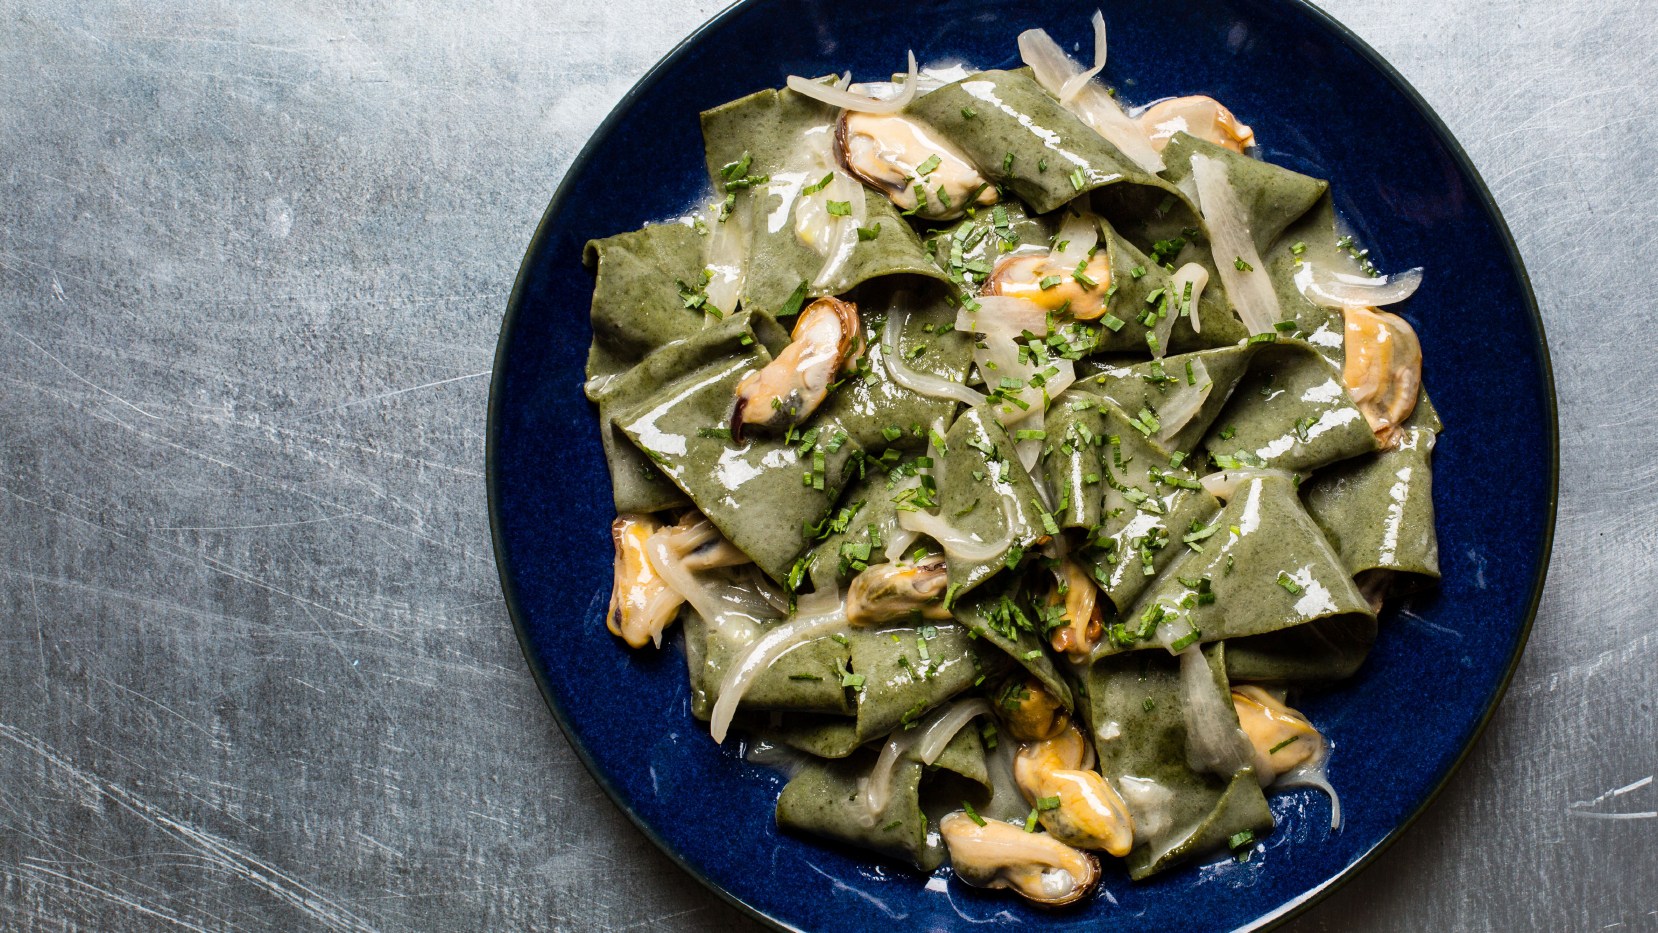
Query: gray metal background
255,671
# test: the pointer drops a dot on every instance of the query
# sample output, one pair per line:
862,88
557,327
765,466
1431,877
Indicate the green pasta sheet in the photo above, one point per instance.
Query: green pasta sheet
1137,713
1291,411
969,249
788,138
824,736
1145,502
1311,239
1377,510
1003,616
1273,197
1074,457
1320,653
878,412
1265,567
984,487
905,671
1055,157
637,302
806,678
638,485
1158,384
1137,286
764,494
825,799
857,534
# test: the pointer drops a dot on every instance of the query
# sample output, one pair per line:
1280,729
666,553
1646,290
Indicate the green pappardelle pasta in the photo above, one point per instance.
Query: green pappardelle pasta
1010,459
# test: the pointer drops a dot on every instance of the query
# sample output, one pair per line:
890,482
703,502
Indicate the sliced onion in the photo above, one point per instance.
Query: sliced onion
759,656
843,236
1073,84
1229,237
923,383
731,610
1184,403
1029,450
1214,743
1001,320
1080,233
1004,317
1330,289
899,538
877,787
727,257
1225,484
1312,774
1198,277
835,97
956,544
928,741
1053,69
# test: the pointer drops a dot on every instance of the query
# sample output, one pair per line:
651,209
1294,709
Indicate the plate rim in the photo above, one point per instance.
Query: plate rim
1269,920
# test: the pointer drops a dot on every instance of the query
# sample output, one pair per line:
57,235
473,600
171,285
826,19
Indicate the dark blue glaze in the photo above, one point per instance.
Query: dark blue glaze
1320,102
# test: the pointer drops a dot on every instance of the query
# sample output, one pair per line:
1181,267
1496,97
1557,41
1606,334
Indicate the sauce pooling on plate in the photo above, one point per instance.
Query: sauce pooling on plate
1011,459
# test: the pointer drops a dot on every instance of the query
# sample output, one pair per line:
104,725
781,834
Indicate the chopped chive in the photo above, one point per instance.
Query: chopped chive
1242,266
1289,585
818,185
972,814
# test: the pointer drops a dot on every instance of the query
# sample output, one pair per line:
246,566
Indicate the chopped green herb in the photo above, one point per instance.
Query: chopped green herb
1289,585
818,185
795,301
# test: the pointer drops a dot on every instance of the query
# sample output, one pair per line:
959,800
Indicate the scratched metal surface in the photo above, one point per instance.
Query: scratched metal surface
255,673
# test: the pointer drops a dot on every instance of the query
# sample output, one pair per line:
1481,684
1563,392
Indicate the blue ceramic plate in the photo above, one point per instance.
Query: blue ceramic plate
1321,102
